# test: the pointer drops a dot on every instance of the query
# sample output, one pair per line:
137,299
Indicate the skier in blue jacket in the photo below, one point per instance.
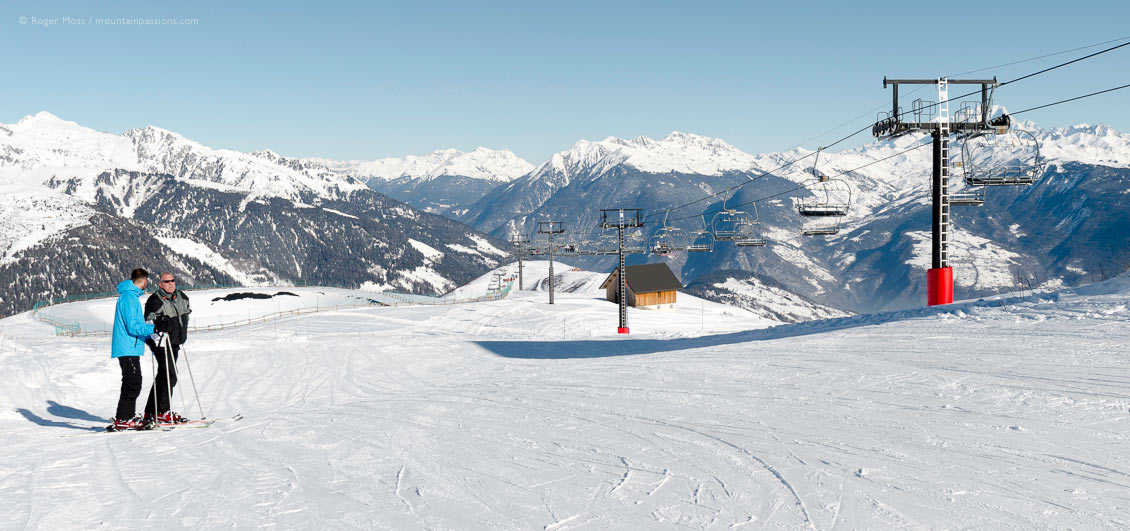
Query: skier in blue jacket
128,345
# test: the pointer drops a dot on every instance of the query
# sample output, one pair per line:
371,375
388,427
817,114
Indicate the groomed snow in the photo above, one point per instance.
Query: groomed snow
514,414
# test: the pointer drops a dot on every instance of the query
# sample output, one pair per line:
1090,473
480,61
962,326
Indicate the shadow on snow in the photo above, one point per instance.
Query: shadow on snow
604,348
66,412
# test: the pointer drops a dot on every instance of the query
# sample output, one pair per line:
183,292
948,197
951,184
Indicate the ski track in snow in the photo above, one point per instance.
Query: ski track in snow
1002,415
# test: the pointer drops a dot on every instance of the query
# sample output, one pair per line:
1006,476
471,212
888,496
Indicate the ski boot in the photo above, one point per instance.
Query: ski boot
170,418
135,423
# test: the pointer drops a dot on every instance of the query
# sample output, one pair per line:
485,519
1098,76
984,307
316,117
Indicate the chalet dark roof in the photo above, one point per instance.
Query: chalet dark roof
647,278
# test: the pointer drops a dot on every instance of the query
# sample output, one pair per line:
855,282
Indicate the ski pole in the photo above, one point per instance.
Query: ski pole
193,380
168,377
176,374
153,364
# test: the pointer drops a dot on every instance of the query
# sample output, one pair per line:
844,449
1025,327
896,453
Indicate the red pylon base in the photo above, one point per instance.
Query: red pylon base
939,286
621,330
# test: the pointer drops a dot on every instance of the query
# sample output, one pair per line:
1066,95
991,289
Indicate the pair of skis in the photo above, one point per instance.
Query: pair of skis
197,423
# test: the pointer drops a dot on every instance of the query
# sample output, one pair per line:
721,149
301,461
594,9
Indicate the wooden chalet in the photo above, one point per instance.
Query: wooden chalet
650,286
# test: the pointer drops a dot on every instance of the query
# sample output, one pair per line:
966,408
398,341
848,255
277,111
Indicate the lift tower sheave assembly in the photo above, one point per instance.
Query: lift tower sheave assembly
549,228
620,219
939,279
522,243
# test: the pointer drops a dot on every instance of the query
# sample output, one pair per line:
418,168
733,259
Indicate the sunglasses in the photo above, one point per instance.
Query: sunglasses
170,281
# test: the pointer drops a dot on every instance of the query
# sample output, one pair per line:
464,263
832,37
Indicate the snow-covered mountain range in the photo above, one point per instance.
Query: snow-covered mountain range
81,208
444,181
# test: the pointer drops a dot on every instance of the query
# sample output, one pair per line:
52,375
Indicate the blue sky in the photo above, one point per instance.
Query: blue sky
363,80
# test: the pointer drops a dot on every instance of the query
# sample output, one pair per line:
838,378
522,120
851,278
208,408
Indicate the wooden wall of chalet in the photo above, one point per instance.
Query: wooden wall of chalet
612,292
652,299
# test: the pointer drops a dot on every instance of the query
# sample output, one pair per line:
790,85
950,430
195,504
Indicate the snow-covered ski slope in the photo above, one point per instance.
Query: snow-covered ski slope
228,307
514,414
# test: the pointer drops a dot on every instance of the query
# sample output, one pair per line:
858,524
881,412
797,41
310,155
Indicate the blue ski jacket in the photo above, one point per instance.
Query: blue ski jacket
130,328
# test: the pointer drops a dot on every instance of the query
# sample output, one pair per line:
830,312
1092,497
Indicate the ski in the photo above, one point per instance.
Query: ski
104,431
199,423
196,423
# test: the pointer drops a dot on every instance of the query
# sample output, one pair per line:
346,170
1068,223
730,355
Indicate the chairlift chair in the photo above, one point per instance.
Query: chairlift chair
566,246
747,230
668,239
749,239
607,243
589,245
976,197
702,241
635,242
826,186
539,245
971,195
1017,173
826,200
728,223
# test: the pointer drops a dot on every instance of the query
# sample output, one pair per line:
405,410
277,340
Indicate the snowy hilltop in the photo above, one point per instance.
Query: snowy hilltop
45,145
482,163
676,153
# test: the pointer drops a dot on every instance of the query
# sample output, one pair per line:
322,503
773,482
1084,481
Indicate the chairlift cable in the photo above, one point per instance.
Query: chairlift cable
1045,56
1050,68
1071,99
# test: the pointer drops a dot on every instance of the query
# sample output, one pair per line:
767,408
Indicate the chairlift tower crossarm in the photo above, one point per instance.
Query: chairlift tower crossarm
620,219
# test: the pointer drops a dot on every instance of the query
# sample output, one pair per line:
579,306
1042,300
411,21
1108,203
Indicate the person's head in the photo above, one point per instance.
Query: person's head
168,282
140,278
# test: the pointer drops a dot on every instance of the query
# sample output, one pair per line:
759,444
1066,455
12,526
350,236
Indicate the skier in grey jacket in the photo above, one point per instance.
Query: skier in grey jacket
168,309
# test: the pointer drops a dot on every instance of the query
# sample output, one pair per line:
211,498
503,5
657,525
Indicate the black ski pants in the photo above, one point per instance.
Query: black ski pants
166,379
131,386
